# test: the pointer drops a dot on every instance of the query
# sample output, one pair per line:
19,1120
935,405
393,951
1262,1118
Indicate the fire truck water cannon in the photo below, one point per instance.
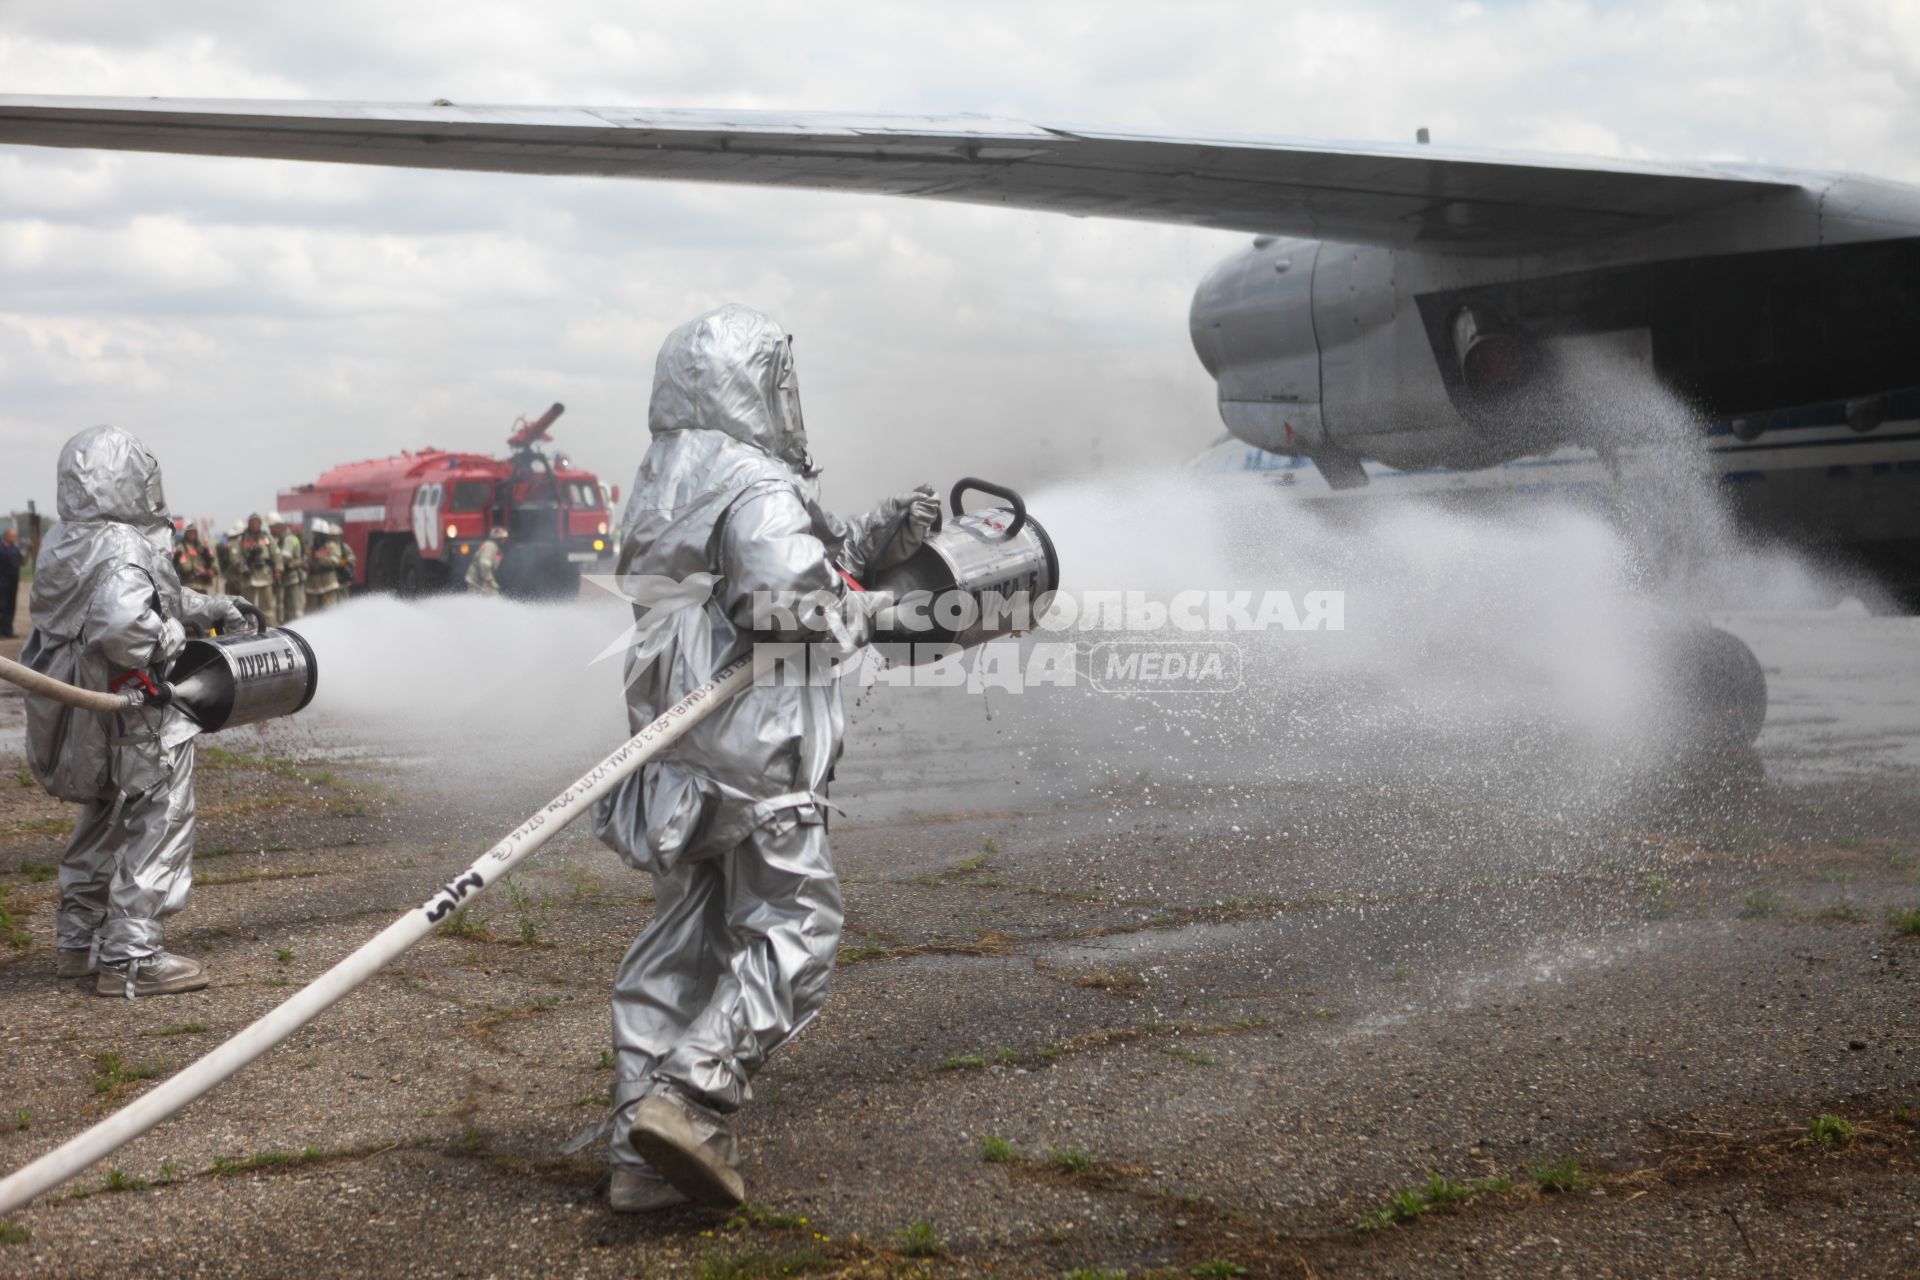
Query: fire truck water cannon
527,434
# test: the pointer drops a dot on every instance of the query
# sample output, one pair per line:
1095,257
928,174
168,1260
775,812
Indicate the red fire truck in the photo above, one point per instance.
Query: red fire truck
416,520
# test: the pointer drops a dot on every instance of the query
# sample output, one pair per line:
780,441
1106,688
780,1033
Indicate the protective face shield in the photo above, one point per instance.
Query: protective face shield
783,405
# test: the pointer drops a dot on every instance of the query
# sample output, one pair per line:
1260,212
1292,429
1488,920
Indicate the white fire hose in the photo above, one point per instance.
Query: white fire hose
101,1141
60,691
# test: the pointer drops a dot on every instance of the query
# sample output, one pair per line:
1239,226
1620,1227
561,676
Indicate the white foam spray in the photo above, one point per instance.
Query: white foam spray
478,679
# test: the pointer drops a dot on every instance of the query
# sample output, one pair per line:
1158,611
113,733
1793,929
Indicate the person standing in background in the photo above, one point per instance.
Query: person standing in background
483,574
293,569
9,580
258,562
193,562
323,567
226,559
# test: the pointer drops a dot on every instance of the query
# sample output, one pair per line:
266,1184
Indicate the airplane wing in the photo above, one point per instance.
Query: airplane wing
1440,198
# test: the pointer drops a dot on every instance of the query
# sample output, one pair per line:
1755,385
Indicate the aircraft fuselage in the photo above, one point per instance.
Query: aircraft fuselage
1418,359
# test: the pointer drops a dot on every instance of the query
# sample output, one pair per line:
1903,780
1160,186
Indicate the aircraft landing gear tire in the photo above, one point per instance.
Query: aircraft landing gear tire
1723,690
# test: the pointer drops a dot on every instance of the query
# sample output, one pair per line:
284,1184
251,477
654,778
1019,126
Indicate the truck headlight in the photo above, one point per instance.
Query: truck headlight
453,531
602,530
599,545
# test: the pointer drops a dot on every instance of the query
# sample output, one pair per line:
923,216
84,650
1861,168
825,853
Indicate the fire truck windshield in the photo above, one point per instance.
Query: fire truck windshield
470,495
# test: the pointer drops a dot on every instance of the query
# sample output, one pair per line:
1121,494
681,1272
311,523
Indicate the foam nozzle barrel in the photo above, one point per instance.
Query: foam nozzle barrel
243,679
979,576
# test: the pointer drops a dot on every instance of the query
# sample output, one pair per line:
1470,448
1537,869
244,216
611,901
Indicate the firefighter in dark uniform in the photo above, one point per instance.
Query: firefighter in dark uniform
324,566
194,562
257,557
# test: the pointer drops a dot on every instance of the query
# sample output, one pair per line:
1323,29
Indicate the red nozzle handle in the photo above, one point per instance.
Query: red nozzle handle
157,694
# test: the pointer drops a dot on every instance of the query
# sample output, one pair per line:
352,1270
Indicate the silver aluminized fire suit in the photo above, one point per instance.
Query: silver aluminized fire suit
107,601
731,820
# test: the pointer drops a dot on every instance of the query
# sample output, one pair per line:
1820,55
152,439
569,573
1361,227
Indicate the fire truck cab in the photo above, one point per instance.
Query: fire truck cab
415,521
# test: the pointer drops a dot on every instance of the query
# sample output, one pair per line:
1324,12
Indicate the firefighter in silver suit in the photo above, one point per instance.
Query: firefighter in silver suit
107,604
731,820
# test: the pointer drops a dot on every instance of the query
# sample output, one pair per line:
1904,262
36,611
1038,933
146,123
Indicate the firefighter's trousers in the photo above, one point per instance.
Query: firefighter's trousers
128,866
736,960
264,596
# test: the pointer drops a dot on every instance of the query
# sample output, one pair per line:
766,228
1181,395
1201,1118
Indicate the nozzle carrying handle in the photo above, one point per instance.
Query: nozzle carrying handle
252,613
996,490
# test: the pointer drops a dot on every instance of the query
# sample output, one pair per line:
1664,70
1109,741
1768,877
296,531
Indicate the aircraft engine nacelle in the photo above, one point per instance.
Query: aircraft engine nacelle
1316,354
1252,326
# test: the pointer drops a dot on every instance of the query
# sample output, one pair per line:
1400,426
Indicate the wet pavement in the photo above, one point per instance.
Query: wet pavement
1225,976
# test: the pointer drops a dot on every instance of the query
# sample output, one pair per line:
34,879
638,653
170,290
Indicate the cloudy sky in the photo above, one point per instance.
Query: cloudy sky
257,322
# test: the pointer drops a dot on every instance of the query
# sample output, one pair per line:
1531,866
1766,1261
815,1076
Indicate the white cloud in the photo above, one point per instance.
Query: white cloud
260,321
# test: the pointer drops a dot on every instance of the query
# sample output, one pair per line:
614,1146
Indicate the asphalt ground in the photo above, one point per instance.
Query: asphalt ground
1140,987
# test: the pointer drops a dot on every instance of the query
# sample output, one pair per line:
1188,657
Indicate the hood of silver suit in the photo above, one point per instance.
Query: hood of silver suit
731,371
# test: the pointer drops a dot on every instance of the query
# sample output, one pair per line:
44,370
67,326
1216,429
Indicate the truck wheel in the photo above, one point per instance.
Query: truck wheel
564,584
409,572
539,573
380,568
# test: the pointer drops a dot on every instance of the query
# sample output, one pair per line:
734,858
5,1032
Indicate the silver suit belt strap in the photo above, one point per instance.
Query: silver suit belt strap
764,811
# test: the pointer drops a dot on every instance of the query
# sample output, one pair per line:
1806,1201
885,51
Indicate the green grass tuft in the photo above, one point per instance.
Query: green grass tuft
181,1029
1218,1269
750,1214
1194,1056
921,1241
1408,1204
223,1167
761,1265
115,1072
10,931
464,923
963,1062
1562,1175
996,1150
1762,904
1829,1130
1068,1160
14,1233
1908,921
120,1181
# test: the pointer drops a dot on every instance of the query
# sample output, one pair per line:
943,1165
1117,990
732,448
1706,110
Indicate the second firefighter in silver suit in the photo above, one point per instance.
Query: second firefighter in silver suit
731,820
107,603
